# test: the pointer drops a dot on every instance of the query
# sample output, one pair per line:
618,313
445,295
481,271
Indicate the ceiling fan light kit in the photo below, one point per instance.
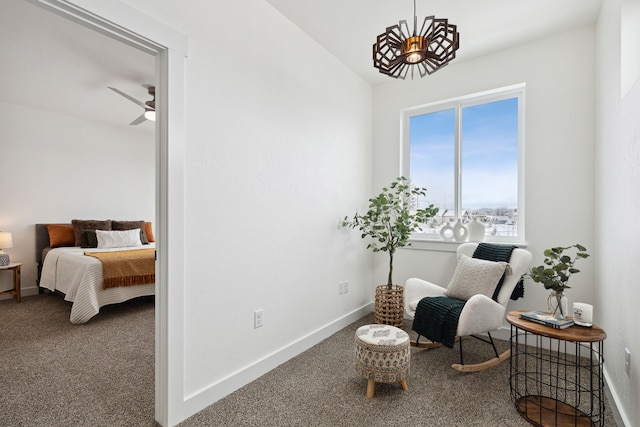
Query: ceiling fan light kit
397,50
149,106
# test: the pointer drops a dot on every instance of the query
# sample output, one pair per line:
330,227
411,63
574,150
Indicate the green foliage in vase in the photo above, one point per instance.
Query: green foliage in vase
558,267
392,217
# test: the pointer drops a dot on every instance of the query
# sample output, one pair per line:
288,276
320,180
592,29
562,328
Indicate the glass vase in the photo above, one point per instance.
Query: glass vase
558,304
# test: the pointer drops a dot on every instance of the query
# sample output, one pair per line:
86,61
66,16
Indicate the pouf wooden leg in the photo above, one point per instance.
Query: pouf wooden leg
382,356
371,388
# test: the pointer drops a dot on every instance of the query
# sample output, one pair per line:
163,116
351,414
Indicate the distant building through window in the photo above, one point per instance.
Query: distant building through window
468,154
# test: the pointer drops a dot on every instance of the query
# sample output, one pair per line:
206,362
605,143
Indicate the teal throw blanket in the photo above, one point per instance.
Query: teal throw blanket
437,319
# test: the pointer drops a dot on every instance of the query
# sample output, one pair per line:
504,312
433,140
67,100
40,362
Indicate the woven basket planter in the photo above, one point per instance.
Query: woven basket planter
389,305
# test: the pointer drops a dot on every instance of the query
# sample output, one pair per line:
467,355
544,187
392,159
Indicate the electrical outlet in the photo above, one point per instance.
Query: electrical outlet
627,361
257,319
343,287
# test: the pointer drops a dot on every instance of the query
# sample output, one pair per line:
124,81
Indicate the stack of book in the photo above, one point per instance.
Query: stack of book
546,319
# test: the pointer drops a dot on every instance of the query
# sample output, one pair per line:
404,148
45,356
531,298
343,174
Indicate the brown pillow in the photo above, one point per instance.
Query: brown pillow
148,229
61,235
82,225
131,225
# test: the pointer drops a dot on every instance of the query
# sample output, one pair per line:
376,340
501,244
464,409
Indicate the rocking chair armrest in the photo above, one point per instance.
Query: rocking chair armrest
480,314
416,289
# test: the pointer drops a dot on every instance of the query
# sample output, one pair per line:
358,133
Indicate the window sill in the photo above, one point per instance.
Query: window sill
442,246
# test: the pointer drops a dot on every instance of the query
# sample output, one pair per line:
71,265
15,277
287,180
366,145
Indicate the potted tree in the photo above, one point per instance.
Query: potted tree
392,216
555,273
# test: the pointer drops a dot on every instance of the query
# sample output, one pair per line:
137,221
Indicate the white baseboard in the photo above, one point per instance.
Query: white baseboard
24,292
200,400
31,290
503,333
618,409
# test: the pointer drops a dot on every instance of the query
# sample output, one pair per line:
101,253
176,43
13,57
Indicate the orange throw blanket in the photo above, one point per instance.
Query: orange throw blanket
126,268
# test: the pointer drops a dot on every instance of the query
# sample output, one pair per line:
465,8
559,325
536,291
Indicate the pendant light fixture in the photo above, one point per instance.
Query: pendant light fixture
396,50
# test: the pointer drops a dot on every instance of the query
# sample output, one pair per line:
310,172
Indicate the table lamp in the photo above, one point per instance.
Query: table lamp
5,242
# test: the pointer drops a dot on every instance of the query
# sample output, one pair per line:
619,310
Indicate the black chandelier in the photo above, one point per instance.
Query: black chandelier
396,50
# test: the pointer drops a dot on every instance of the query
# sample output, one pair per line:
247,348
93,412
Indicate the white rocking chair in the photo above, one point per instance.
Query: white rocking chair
480,314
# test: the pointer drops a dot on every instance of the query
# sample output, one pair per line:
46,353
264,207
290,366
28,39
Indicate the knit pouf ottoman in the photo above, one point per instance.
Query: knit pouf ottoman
382,355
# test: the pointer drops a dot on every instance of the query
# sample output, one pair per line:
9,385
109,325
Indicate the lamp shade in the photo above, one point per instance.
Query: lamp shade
5,240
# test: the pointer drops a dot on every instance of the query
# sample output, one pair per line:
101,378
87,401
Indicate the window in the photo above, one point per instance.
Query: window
468,154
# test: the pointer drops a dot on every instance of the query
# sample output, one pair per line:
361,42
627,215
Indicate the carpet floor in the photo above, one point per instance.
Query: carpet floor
320,388
54,373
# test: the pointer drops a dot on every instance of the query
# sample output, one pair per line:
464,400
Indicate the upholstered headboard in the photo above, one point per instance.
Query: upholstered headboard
42,242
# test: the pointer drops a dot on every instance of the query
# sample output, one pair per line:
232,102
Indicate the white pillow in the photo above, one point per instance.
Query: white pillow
474,276
118,238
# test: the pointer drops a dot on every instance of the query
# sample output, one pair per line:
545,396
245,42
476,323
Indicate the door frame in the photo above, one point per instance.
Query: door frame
169,47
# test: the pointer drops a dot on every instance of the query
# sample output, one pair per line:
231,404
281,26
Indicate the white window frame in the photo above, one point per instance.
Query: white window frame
457,104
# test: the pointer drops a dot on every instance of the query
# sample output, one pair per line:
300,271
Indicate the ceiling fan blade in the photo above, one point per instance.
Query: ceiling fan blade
139,120
130,98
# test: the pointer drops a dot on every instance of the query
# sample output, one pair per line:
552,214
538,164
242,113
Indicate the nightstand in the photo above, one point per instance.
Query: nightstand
15,268
556,375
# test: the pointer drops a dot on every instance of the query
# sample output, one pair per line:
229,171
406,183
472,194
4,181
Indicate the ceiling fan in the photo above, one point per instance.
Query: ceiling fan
149,106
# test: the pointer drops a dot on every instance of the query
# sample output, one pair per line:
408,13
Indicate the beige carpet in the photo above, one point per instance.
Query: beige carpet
320,388
54,373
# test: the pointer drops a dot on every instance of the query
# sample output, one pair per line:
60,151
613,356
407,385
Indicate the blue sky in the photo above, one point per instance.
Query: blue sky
489,155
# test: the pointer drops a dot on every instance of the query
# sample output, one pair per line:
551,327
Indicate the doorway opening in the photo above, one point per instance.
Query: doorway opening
169,47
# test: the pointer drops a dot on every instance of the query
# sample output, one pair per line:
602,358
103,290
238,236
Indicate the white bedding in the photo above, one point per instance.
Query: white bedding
79,277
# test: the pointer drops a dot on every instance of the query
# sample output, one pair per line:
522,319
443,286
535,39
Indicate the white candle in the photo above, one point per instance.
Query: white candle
582,314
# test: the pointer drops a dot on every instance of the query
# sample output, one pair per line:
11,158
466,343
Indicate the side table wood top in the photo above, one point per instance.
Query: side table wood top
573,333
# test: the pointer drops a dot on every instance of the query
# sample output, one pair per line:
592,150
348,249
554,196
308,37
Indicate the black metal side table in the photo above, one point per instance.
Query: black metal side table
556,376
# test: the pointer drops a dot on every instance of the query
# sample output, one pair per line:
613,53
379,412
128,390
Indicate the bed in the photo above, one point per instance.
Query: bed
67,270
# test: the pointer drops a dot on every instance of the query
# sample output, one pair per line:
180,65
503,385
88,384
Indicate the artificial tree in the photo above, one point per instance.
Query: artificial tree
392,216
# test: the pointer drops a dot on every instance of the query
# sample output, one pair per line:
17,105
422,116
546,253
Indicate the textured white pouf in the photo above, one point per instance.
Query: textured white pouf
382,355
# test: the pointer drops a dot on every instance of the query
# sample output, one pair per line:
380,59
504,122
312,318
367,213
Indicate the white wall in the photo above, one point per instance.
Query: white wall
563,145
56,168
559,141
278,151
617,177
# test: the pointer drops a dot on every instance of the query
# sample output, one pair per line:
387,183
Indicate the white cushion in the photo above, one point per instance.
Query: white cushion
474,276
118,238
382,335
